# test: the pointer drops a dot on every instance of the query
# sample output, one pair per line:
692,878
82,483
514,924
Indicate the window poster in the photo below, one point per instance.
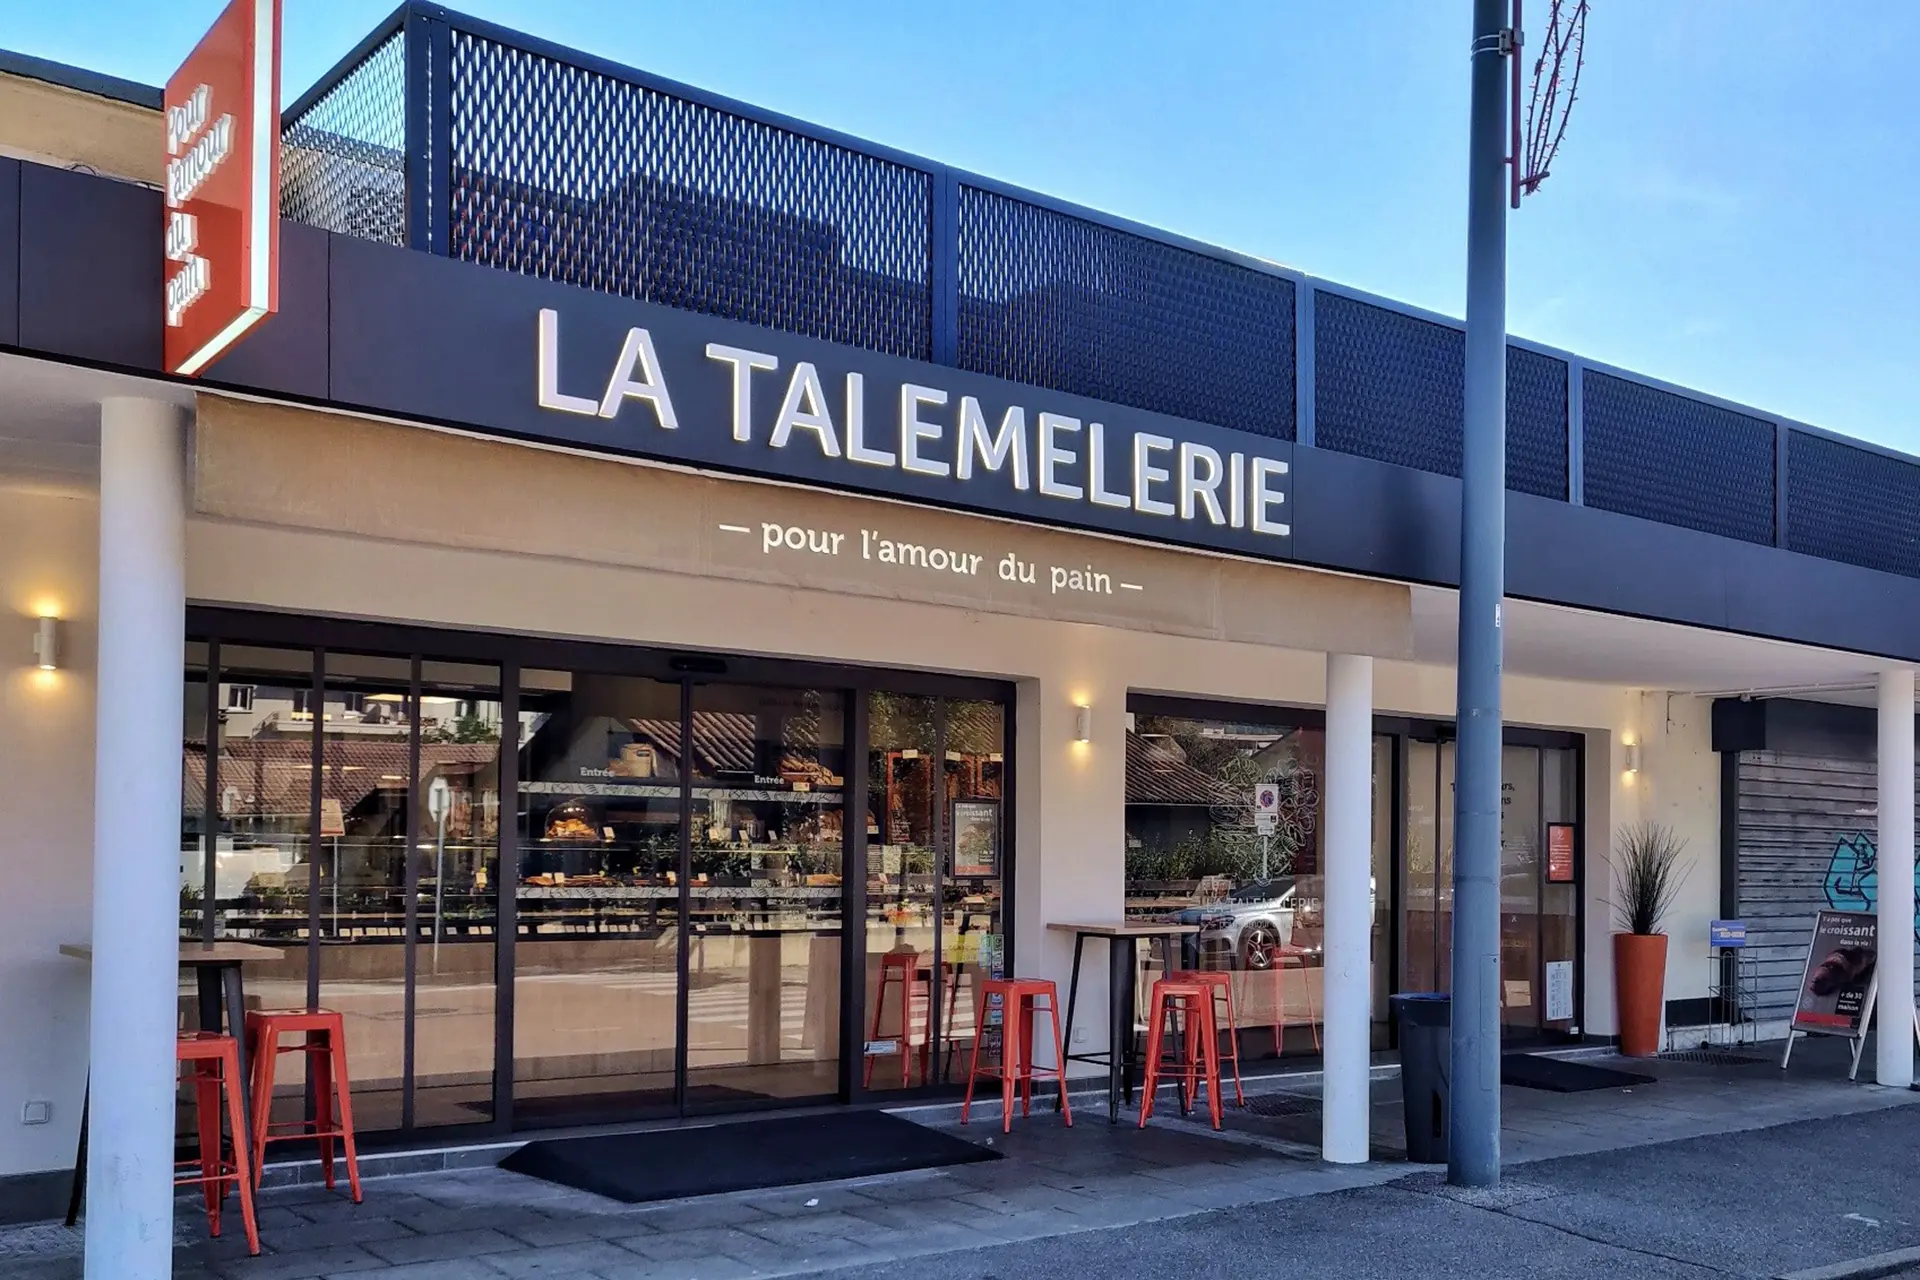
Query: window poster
976,837
1560,853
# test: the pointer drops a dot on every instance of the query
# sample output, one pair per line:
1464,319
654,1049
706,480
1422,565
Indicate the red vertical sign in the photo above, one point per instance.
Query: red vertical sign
223,186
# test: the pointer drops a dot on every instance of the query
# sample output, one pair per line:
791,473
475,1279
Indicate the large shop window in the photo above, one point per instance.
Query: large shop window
596,890
1199,852
306,779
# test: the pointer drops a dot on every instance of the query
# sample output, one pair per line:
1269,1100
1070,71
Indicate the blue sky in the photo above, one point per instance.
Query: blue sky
1735,208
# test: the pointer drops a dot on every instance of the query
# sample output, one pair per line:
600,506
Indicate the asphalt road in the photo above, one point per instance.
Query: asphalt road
1758,1204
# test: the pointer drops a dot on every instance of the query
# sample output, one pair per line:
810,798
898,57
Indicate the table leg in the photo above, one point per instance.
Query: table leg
1120,996
207,979
1073,999
236,1002
79,1191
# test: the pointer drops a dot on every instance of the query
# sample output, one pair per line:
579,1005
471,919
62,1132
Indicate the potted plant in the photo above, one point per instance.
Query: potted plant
1647,875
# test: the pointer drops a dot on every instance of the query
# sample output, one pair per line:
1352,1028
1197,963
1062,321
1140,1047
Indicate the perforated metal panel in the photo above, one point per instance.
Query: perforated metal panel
573,175
1681,461
1390,386
343,160
1536,423
1853,505
1062,302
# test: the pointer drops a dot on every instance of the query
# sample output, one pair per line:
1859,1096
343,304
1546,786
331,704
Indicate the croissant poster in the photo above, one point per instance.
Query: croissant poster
1836,989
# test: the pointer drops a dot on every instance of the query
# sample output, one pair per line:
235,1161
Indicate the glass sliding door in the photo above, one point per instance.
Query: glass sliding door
765,882
1539,899
1521,977
455,894
359,881
972,902
597,897
903,842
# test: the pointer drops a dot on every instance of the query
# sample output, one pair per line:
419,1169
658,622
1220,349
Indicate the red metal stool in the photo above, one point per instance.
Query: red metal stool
1188,1006
215,1062
916,980
1018,1003
324,1041
1221,982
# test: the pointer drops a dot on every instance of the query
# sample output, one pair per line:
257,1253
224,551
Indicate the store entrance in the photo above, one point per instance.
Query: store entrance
1539,879
552,883
678,908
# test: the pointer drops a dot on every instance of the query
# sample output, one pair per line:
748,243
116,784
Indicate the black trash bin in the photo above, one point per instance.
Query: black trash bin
1426,1024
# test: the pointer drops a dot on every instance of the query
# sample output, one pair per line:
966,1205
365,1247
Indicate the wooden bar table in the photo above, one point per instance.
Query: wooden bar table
216,970
1123,961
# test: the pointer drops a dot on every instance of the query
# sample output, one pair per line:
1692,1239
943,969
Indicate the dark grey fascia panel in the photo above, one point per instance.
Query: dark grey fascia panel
287,352
91,275
9,252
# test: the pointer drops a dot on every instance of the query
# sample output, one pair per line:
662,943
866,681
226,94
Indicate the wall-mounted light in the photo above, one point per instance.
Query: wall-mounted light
1083,724
46,645
1633,757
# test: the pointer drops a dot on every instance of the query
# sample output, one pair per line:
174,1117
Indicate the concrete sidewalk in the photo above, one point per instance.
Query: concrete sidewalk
1054,1182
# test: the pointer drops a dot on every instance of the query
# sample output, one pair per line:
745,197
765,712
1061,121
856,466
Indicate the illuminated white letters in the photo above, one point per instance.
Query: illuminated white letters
1146,473
1194,459
857,449
551,396
1264,469
637,356
805,408
914,429
1009,446
1052,456
1162,472
744,362
1097,491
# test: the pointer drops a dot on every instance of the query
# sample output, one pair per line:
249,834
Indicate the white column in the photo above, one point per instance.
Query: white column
1893,1055
1348,854
136,840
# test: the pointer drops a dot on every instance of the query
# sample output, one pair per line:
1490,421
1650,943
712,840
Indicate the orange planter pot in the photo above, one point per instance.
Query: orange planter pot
1639,990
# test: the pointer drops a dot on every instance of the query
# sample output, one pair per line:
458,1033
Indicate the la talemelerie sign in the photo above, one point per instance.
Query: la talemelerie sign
222,186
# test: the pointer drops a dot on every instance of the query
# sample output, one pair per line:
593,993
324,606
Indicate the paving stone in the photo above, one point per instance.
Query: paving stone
705,1242
711,1211
714,1268
437,1269
346,1230
589,1257
326,1261
445,1244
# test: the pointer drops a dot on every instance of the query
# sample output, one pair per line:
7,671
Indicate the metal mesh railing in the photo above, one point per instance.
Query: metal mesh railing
1390,386
1671,458
596,177
570,174
1065,303
343,159
1853,505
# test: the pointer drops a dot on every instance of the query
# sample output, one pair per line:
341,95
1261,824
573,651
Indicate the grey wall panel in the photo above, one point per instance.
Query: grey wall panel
90,268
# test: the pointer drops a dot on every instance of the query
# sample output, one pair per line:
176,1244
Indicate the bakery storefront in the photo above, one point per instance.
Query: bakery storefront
676,598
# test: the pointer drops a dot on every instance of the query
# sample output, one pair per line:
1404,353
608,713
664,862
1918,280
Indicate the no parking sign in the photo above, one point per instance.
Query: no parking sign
1266,807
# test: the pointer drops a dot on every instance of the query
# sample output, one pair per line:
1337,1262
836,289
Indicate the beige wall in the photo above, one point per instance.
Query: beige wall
1070,810
48,554
53,125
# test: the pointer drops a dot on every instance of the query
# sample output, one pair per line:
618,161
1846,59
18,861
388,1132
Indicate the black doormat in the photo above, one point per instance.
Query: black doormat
667,1164
1558,1075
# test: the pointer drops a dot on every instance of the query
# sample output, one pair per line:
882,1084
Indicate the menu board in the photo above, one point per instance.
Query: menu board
1560,852
1838,980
